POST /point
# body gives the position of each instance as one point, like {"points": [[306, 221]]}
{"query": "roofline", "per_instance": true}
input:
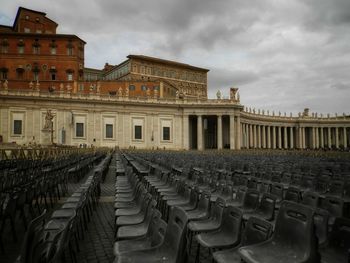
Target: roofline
{"points": [[30, 10], [42, 35], [116, 66], [101, 70], [164, 61], [6, 26]]}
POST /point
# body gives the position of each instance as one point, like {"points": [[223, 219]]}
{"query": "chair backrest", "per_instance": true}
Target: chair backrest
{"points": [[253, 183], [334, 205], [310, 199], [33, 235], [347, 188], [175, 238], [251, 199], [194, 196], [321, 217], [293, 194], [277, 190], [256, 231], [232, 221], [336, 187], [267, 204], [339, 237], [264, 187], [217, 209], [204, 201], [295, 229], [157, 231]]}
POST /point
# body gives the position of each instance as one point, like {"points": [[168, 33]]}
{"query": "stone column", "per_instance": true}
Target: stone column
{"points": [[322, 138], [337, 137], [199, 132], [251, 136], [303, 134], [263, 136], [317, 138], [274, 137], [268, 137], [291, 138], [345, 138], [329, 138], [300, 138], [185, 132], [219, 132], [279, 137], [238, 129], [254, 136], [285, 143], [232, 132], [247, 136], [259, 136]]}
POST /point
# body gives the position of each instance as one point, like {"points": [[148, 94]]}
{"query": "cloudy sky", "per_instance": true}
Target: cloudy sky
{"points": [[282, 55]]}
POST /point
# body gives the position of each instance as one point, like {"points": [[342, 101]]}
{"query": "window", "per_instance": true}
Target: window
{"points": [[20, 72], [53, 50], [69, 76], [131, 87], [138, 132], [166, 133], [26, 30], [27, 17], [20, 49], [143, 88], [53, 76], [70, 51], [17, 127], [156, 88], [79, 129], [4, 49], [36, 76], [38, 31], [36, 50], [109, 131], [81, 87]]}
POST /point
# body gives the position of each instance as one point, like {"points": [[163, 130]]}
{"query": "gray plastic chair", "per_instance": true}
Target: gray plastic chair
{"points": [[172, 250]]}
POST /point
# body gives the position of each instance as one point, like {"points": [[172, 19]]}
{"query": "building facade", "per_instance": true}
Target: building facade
{"points": [[143, 102]]}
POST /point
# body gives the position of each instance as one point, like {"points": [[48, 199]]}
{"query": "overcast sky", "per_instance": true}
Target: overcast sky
{"points": [[282, 55]]}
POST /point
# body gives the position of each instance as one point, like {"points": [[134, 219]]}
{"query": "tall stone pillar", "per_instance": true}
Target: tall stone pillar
{"points": [[329, 133], [251, 141], [259, 136], [219, 127], [303, 134], [285, 143], [238, 129], [322, 138], [279, 137], [254, 136], [313, 141], [199, 132], [273, 137], [337, 137], [317, 133], [345, 138], [263, 136], [300, 138], [268, 137], [185, 132], [291, 138], [232, 132]]}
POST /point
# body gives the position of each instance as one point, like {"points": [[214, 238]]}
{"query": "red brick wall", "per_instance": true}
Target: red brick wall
{"points": [[35, 21]]}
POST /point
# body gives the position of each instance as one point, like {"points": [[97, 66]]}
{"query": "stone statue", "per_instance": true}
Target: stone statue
{"points": [[279, 113], [263, 112], [306, 112], [273, 113], [259, 111], [69, 88], [155, 93], [268, 112], [31, 85], [291, 115], [61, 87], [177, 94], [37, 86], [98, 87], [254, 110], [328, 115], [321, 115], [148, 92], [126, 92], [233, 93], [218, 95], [285, 114], [48, 120], [238, 97], [6, 85], [120, 92]]}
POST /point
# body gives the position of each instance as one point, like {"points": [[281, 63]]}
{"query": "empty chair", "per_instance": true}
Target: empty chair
{"points": [[277, 190], [153, 238], [256, 231], [293, 194], [336, 188], [239, 198], [337, 250], [266, 209], [310, 199], [171, 250], [334, 205], [203, 209], [321, 218], [251, 201], [294, 239], [227, 235]]}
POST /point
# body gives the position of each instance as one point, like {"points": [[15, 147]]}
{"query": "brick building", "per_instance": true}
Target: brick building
{"points": [[32, 51]]}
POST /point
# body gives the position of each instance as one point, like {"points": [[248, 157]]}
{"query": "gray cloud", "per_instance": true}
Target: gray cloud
{"points": [[283, 55]]}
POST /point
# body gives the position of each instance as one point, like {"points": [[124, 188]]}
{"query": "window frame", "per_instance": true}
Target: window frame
{"points": [[138, 133], [109, 136], [14, 133], [76, 130]]}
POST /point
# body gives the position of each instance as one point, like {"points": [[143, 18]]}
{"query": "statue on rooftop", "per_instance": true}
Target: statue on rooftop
{"points": [[6, 87], [120, 92], [49, 120], [218, 95], [233, 93]]}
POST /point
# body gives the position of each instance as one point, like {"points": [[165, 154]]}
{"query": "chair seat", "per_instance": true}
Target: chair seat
{"points": [[128, 211], [216, 239], [227, 256], [63, 213], [147, 256], [277, 253], [134, 231], [205, 225], [130, 220], [131, 245], [124, 205], [196, 215]]}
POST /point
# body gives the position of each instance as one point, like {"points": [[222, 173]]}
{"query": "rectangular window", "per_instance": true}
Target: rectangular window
{"points": [[20, 49], [138, 132], [131, 87], [143, 88], [70, 51], [69, 76], [26, 30], [156, 88], [166, 133], [36, 50], [19, 74], [109, 131], [79, 129], [53, 51], [17, 127], [36, 76], [53, 76], [4, 49]]}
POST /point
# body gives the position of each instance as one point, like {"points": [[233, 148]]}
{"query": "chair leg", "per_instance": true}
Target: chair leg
{"points": [[13, 229], [197, 254], [24, 218]]}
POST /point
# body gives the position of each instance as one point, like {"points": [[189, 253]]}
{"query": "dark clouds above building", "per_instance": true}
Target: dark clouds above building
{"points": [[282, 55]]}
